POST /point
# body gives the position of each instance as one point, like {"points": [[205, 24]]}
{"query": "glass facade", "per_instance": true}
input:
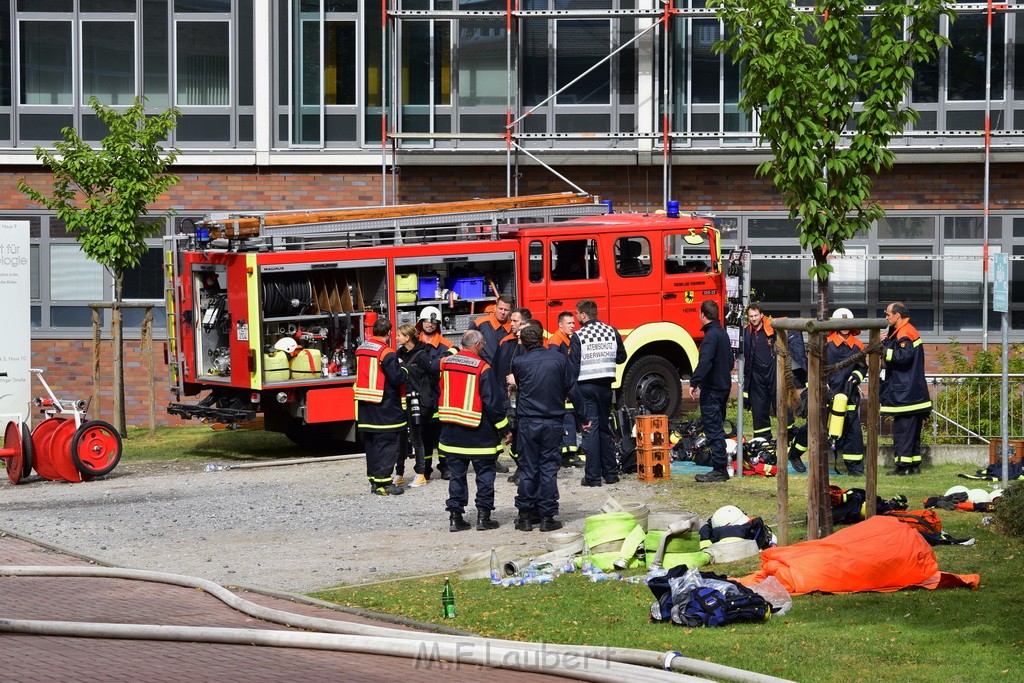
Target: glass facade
{"points": [[290, 78]]}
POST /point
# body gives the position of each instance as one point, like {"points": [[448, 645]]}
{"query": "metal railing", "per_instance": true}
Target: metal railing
{"points": [[967, 408]]}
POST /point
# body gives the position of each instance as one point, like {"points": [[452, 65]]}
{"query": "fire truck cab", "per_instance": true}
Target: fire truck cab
{"points": [[241, 286]]}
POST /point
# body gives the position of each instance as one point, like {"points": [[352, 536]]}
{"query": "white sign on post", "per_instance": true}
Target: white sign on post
{"points": [[1001, 283], [16, 341]]}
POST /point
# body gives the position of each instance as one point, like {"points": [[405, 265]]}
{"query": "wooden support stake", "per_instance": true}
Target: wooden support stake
{"points": [[814, 440], [871, 418], [97, 332], [782, 443], [147, 353]]}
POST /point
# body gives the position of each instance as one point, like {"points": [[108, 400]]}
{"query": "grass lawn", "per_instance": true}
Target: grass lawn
{"points": [[907, 636], [911, 635]]}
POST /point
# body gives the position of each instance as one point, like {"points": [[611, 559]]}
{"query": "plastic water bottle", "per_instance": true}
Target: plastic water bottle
{"points": [[448, 600], [601, 576], [586, 566], [495, 568], [344, 364], [568, 567], [539, 578], [509, 581], [213, 467]]}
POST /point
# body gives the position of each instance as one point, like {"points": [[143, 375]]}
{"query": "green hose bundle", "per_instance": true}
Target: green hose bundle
{"points": [[613, 537]]}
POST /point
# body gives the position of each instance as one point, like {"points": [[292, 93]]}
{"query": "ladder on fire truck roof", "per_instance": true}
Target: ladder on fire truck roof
{"points": [[402, 224]]}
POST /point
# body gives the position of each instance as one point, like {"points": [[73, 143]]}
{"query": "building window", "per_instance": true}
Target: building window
{"points": [[108, 61], [46, 62], [203, 63], [73, 277]]}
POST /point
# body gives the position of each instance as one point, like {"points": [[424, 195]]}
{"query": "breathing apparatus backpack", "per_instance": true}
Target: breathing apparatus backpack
{"points": [[689, 597]]}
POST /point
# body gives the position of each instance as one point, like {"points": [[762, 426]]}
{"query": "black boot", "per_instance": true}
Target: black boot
{"points": [[457, 523], [550, 524], [798, 464], [522, 522], [484, 521]]}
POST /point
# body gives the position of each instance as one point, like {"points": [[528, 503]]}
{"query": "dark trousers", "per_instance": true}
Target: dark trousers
{"points": [[712, 416], [431, 437], [569, 445], [458, 487], [539, 442], [382, 450], [597, 441], [761, 393], [906, 439]]}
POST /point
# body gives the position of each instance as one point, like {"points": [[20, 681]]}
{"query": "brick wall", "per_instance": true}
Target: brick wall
{"points": [[717, 188]]}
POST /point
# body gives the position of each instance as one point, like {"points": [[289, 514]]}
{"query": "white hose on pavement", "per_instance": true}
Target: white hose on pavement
{"points": [[574, 661]]}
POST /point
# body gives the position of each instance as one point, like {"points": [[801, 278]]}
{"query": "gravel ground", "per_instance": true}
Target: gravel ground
{"points": [[296, 528]]}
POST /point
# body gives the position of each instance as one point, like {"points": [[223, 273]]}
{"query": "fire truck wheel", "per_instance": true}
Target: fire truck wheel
{"points": [[653, 383]]}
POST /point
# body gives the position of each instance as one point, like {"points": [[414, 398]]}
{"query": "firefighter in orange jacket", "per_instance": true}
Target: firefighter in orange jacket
{"points": [[759, 369], [904, 394], [380, 417], [473, 423], [494, 326]]}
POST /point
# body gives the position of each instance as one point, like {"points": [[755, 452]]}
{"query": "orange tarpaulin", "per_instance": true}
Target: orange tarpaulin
{"points": [[880, 554]]}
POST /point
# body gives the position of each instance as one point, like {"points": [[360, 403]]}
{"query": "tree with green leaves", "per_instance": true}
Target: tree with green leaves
{"points": [[102, 193], [829, 87]]}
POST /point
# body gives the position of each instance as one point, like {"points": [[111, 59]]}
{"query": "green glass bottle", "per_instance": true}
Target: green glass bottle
{"points": [[448, 600]]}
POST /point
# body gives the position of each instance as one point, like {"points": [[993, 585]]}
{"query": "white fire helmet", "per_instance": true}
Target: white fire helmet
{"points": [[955, 489], [842, 313], [996, 494], [431, 314], [728, 515], [287, 344], [979, 496]]}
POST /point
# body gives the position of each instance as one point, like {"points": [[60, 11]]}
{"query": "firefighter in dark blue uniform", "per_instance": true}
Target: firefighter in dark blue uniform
{"points": [[839, 347], [711, 383], [543, 380], [904, 394], [380, 416], [759, 369], [473, 424]]}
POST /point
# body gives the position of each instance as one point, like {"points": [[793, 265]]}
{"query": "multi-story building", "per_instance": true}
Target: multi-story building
{"points": [[284, 104]]}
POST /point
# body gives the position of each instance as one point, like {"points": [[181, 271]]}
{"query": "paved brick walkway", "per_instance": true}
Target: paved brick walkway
{"points": [[27, 658]]}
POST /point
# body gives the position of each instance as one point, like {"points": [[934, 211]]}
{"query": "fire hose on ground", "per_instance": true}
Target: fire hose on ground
{"points": [[570, 661]]}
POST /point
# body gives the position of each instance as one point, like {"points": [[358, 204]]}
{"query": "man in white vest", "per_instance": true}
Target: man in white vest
{"points": [[595, 349]]}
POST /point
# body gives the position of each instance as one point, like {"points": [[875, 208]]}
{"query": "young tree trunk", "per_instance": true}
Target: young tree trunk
{"points": [[824, 451], [117, 333]]}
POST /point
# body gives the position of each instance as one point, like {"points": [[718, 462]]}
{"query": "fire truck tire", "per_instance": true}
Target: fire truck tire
{"points": [[653, 383]]}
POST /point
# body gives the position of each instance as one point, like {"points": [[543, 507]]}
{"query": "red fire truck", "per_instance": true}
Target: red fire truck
{"points": [[240, 284]]}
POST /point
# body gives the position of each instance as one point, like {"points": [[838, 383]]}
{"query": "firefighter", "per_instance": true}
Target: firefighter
{"points": [[380, 417], [508, 349], [430, 333], [420, 362], [594, 352], [711, 383], [430, 328], [543, 381], [840, 346], [904, 394], [560, 341], [759, 369], [473, 424], [494, 326]]}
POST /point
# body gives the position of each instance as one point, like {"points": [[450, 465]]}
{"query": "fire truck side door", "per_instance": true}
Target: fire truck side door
{"points": [[635, 292], [689, 277], [572, 269]]}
